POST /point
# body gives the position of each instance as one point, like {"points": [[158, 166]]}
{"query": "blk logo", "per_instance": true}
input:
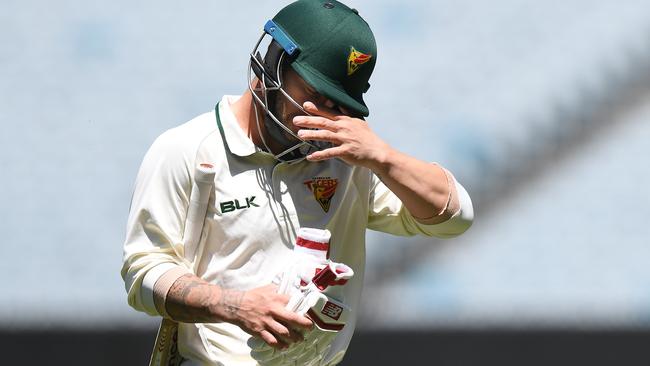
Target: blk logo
{"points": [[230, 206]]}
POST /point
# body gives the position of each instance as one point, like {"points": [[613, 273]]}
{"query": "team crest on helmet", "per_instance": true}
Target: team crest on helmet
{"points": [[323, 189], [356, 59]]}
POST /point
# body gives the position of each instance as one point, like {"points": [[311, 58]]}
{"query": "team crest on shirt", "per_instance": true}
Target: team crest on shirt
{"points": [[356, 59], [323, 189]]}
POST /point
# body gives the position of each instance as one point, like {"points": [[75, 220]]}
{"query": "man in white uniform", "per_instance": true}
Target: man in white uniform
{"points": [[293, 151]]}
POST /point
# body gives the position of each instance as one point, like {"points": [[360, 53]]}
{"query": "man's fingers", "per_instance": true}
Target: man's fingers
{"points": [[295, 336], [333, 152], [319, 135], [271, 340], [322, 111], [298, 320], [284, 334], [279, 329], [286, 326], [294, 320], [322, 123]]}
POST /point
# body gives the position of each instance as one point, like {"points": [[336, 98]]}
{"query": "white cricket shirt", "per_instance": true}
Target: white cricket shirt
{"points": [[256, 208]]}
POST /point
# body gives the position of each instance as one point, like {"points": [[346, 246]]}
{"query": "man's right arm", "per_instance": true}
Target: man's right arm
{"points": [[260, 312], [155, 271]]}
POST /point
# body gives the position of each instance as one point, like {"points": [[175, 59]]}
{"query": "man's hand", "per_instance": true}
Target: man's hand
{"points": [[261, 312], [329, 316], [425, 189], [354, 142]]}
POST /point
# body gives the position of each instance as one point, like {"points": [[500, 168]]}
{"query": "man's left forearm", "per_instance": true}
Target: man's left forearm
{"points": [[425, 189]]}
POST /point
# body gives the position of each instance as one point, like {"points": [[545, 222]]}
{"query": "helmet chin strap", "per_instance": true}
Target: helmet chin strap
{"points": [[269, 72]]}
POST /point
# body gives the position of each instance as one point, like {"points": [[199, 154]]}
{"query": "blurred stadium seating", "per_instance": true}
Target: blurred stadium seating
{"points": [[541, 110]]}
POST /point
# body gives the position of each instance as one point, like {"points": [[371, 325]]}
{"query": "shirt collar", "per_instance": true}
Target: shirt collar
{"points": [[235, 138]]}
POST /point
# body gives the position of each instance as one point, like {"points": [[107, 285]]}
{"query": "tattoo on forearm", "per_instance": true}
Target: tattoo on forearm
{"points": [[191, 300], [187, 289], [231, 301]]}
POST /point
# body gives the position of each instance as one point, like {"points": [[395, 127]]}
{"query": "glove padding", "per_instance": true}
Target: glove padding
{"points": [[309, 280], [328, 314], [329, 317]]}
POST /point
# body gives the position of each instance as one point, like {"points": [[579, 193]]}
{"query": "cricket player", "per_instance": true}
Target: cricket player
{"points": [[294, 151]]}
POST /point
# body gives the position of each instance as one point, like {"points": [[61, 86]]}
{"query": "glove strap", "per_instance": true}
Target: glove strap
{"points": [[332, 275]]}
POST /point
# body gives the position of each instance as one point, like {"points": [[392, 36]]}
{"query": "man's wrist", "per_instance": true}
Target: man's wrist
{"points": [[383, 160], [227, 305], [193, 300]]}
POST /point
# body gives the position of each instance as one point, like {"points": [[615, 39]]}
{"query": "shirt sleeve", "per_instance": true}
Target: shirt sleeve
{"points": [[389, 215], [153, 244]]}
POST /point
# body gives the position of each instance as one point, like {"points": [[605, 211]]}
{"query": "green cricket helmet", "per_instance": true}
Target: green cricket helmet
{"points": [[329, 45]]}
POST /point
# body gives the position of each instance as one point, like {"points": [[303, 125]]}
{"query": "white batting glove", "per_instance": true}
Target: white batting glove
{"points": [[306, 279], [309, 254], [328, 314]]}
